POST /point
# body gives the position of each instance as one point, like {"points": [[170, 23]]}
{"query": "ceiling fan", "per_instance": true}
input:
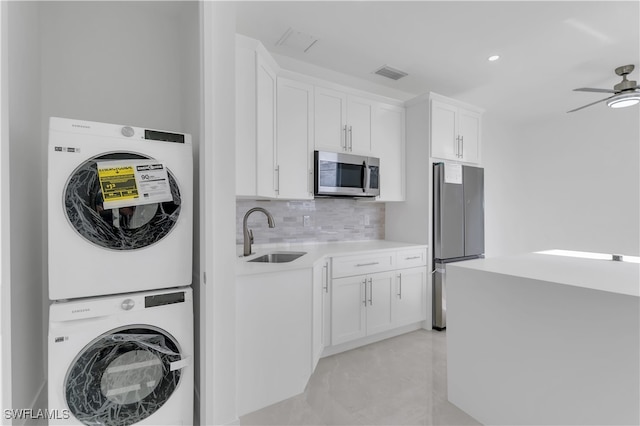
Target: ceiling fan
{"points": [[626, 93]]}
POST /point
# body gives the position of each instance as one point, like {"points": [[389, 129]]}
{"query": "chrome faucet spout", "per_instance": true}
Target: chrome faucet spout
{"points": [[248, 234]]}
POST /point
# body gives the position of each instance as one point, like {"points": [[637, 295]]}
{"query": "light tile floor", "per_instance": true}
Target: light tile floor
{"points": [[398, 381]]}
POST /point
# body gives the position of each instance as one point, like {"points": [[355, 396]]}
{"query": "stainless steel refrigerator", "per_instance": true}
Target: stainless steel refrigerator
{"points": [[458, 225]]}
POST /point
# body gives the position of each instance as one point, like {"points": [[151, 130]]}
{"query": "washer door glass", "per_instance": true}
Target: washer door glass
{"points": [[125, 228], [123, 377]]}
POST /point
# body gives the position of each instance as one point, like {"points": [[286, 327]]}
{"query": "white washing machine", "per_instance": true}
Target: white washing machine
{"points": [[122, 360], [110, 230]]}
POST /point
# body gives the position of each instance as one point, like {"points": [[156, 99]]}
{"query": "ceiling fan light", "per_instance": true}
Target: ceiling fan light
{"points": [[624, 100]]}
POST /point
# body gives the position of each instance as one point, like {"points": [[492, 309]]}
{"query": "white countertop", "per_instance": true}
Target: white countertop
{"points": [[603, 275], [314, 252]]}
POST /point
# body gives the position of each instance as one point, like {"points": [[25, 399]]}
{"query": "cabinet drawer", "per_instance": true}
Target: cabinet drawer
{"points": [[344, 266], [411, 257]]}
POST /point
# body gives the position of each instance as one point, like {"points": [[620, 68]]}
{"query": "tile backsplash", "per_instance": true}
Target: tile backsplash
{"points": [[329, 219]]}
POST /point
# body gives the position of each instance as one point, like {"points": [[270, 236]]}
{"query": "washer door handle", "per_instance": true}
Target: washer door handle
{"points": [[178, 365]]}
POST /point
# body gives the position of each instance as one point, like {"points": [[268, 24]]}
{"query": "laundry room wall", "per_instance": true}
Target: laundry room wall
{"points": [[27, 208], [134, 63], [115, 62]]}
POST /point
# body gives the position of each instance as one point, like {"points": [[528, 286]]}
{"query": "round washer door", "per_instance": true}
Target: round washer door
{"points": [[123, 376], [126, 228]]}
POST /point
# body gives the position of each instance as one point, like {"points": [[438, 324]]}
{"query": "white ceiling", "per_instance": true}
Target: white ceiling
{"points": [[547, 48]]}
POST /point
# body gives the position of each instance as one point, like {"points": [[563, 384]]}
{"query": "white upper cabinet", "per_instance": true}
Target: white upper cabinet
{"points": [[469, 129], [330, 120], [388, 143], [294, 165], [359, 123], [455, 130], [281, 117], [255, 120], [342, 122]]}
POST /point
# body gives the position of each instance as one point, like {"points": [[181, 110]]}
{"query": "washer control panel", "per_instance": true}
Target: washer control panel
{"points": [[128, 304]]}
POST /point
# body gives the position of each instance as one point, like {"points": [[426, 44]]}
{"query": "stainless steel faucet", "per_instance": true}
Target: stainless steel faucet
{"points": [[248, 233]]}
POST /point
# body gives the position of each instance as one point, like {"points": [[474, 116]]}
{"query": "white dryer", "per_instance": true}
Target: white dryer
{"points": [[122, 360], [112, 234]]}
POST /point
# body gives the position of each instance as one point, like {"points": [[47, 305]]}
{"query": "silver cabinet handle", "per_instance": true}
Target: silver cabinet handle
{"points": [[413, 257], [346, 143], [310, 182], [350, 138], [462, 145], [370, 291], [277, 185], [365, 291], [367, 264], [400, 286], [325, 268]]}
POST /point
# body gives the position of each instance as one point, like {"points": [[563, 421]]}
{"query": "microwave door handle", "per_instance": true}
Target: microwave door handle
{"points": [[365, 176]]}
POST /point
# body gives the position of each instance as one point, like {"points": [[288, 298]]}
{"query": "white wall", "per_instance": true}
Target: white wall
{"points": [[572, 182], [27, 206], [5, 258], [115, 62], [217, 209], [119, 62]]}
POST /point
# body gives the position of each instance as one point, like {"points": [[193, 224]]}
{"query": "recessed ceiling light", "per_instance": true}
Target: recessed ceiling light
{"points": [[493, 58]]}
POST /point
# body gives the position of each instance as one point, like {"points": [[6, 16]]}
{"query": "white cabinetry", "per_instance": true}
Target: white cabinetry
{"points": [[320, 303], [388, 145], [342, 121], [360, 306], [280, 121], [274, 340], [376, 292], [410, 296], [455, 130], [255, 120], [294, 147]]}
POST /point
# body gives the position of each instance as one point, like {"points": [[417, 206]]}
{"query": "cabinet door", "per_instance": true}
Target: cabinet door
{"points": [[348, 309], [294, 117], [388, 145], [410, 296], [444, 131], [317, 341], [330, 115], [245, 122], [326, 307], [265, 129], [379, 302], [469, 131], [359, 121]]}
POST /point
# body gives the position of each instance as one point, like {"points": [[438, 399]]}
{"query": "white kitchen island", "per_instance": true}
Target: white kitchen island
{"points": [[543, 339]]}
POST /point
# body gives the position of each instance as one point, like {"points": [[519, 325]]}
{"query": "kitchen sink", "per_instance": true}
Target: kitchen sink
{"points": [[279, 257]]}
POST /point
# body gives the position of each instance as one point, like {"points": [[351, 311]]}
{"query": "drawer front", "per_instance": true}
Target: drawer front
{"points": [[345, 266], [411, 258]]}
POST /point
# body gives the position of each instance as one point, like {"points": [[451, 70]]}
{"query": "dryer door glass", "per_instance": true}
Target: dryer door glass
{"points": [[125, 228], [123, 377]]}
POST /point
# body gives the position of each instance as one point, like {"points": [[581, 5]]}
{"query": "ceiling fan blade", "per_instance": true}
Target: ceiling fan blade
{"points": [[590, 89], [592, 103]]}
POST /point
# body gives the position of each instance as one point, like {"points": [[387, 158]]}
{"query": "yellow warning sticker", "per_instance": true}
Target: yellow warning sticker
{"points": [[118, 183]]}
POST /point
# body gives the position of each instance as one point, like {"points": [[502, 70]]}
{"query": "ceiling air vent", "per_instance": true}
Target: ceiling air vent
{"points": [[390, 72]]}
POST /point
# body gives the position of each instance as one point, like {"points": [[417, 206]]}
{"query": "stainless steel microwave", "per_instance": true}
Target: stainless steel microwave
{"points": [[347, 175]]}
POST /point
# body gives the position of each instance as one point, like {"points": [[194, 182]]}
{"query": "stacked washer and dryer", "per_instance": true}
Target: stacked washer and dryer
{"points": [[120, 224]]}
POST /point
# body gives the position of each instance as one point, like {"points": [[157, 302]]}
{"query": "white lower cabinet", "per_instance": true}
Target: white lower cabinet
{"points": [[360, 306], [274, 337], [377, 301], [410, 296], [320, 293]]}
